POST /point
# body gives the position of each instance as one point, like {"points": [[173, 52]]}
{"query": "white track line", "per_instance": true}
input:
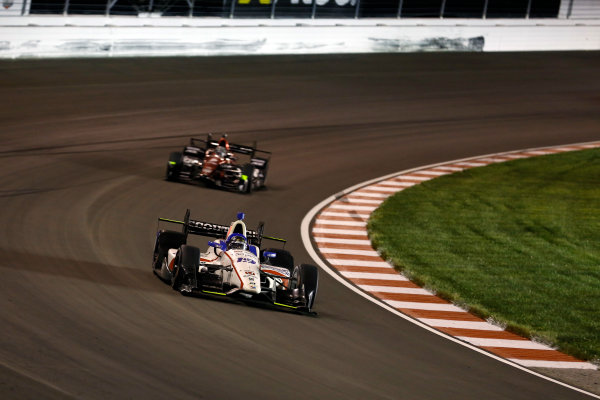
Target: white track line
{"points": [[567, 148], [353, 200], [472, 164], [414, 305], [387, 190], [447, 323], [416, 177], [357, 208], [515, 156], [339, 231], [359, 263], [515, 344], [539, 152], [448, 168], [393, 184], [333, 250], [393, 289], [343, 241], [556, 364], [373, 195], [369, 275], [495, 159], [344, 214], [433, 172], [339, 222]]}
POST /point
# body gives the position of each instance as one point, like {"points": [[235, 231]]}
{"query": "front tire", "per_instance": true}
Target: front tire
{"points": [[165, 240], [308, 282], [173, 166], [185, 269], [248, 172]]}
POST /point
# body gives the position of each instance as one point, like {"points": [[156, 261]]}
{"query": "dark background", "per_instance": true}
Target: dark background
{"points": [[286, 9]]}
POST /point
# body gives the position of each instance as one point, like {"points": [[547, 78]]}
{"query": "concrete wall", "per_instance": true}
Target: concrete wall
{"points": [[579, 9], [57, 36]]}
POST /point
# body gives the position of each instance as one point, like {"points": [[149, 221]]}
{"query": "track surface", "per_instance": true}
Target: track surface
{"points": [[83, 145]]}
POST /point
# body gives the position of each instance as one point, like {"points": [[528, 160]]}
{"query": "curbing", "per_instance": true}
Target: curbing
{"points": [[344, 252]]}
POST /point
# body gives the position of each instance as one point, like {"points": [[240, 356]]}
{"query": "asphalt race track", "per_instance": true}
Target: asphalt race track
{"points": [[83, 149]]}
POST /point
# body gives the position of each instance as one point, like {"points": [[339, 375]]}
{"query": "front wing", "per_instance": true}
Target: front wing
{"points": [[207, 284]]}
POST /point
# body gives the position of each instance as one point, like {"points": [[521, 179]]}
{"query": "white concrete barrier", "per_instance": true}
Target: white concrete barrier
{"points": [[58, 36]]}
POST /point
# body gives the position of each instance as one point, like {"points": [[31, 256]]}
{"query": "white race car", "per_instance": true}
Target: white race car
{"points": [[233, 265]]}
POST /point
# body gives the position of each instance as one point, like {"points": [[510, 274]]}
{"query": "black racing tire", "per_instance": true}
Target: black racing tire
{"points": [[176, 277], [248, 170], [262, 177], [263, 173], [165, 240], [196, 173], [186, 265], [283, 258], [308, 280], [162, 271], [172, 172]]}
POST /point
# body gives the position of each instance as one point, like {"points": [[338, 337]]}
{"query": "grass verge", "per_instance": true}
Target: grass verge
{"points": [[518, 242]]}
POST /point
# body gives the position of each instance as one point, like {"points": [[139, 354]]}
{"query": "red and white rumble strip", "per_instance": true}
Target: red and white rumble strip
{"points": [[340, 234]]}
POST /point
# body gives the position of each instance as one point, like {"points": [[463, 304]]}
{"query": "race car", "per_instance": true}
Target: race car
{"points": [[233, 265], [215, 162]]}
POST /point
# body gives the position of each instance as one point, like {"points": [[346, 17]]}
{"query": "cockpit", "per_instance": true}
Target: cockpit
{"points": [[237, 241], [221, 151]]}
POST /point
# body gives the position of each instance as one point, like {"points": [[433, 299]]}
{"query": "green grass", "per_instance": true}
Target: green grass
{"points": [[517, 241]]}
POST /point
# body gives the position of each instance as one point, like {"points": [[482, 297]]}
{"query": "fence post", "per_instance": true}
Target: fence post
{"points": [[314, 9], [399, 9], [356, 11], [110, 4], [232, 9]]}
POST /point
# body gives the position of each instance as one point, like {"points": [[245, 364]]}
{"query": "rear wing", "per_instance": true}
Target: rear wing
{"points": [[251, 151], [217, 231]]}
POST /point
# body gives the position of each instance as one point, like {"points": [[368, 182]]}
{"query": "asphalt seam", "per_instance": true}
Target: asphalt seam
{"points": [[337, 229]]}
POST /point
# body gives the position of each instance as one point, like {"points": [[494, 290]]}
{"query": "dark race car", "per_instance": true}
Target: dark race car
{"points": [[233, 266], [215, 162]]}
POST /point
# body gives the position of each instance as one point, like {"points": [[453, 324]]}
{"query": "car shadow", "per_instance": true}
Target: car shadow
{"points": [[97, 273]]}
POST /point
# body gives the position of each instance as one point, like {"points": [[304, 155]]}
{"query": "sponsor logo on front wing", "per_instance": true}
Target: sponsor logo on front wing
{"points": [[270, 269]]}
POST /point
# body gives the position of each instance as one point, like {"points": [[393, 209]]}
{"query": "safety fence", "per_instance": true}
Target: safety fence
{"points": [[129, 28], [476, 9]]}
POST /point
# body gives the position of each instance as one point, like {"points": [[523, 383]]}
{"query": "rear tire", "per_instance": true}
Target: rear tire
{"points": [[283, 258]]}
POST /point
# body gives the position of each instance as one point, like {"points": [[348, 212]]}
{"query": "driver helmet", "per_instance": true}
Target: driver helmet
{"points": [[221, 151], [236, 241]]}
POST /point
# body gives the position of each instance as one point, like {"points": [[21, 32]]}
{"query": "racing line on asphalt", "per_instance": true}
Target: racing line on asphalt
{"points": [[339, 232]]}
